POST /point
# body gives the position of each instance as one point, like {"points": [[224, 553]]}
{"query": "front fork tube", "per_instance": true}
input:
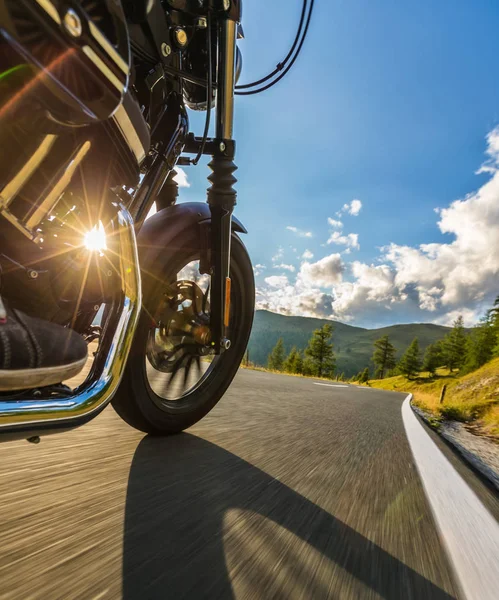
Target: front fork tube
{"points": [[221, 226], [221, 193]]}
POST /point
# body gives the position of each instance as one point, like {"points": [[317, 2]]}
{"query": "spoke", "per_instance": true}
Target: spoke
{"points": [[187, 370], [172, 345], [177, 365]]}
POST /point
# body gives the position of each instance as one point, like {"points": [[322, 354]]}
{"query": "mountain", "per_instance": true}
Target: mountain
{"points": [[353, 345]]}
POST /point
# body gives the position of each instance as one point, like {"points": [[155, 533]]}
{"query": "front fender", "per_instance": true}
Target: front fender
{"points": [[162, 233]]}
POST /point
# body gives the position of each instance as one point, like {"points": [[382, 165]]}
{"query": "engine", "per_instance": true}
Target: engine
{"points": [[70, 129]]}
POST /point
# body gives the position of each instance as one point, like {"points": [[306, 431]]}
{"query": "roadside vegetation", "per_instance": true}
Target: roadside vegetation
{"points": [[318, 359], [456, 378], [472, 398]]}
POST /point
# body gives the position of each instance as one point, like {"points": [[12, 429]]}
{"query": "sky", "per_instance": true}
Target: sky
{"points": [[369, 177]]}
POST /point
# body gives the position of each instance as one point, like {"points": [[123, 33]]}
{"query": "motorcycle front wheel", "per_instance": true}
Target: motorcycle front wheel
{"points": [[172, 380]]}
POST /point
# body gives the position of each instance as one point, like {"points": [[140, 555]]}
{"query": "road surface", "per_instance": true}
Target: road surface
{"points": [[288, 489]]}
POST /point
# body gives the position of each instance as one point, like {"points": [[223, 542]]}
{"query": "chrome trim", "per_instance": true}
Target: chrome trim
{"points": [[10, 191], [226, 75], [103, 381], [50, 9], [13, 220], [108, 47], [95, 32], [46, 205], [103, 68], [128, 130]]}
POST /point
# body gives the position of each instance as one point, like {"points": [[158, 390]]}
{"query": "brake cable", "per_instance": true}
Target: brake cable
{"points": [[209, 94], [280, 66]]}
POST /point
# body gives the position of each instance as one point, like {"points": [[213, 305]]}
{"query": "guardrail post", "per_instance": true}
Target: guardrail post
{"points": [[442, 393]]}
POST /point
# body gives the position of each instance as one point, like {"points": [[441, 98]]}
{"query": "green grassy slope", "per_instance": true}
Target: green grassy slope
{"points": [[472, 398], [353, 345]]}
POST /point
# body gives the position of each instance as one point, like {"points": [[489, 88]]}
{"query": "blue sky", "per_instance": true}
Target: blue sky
{"points": [[390, 104]]}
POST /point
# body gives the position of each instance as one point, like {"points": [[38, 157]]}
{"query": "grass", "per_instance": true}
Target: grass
{"points": [[472, 398]]}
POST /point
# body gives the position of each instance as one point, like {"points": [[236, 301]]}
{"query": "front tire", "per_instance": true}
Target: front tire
{"points": [[135, 401]]}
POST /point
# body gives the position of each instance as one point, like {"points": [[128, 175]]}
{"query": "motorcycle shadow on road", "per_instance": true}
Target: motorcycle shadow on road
{"points": [[178, 542]]}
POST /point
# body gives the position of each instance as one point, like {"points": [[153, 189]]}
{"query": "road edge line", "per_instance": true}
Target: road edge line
{"points": [[474, 460], [469, 532]]}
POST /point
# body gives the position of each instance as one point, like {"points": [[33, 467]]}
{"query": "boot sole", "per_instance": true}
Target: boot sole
{"points": [[26, 379]]}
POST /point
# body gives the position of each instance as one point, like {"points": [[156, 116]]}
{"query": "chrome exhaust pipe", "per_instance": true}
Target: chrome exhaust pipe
{"points": [[32, 416]]}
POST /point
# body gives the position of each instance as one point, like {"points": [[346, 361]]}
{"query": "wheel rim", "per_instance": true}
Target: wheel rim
{"points": [[177, 362]]}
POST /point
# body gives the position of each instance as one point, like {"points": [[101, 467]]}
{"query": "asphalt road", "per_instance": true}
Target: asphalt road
{"points": [[286, 490]]}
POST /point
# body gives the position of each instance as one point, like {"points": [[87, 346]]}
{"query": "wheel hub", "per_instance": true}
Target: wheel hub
{"points": [[181, 327]]}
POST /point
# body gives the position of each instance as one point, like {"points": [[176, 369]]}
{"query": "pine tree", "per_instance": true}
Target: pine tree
{"points": [[276, 357], [293, 362], [454, 345], [307, 367], [494, 314], [364, 378], [384, 356], [299, 364], [320, 352], [432, 358], [410, 363], [480, 344], [494, 320]]}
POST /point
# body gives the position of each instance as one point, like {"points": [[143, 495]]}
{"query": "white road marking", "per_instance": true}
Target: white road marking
{"points": [[330, 384], [470, 533]]}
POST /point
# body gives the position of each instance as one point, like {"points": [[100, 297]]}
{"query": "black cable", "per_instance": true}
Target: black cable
{"points": [[280, 66], [209, 93], [285, 72]]}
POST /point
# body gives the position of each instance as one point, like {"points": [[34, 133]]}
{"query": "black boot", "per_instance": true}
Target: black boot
{"points": [[36, 353]]}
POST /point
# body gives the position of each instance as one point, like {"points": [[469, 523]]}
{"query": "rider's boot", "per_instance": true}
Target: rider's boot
{"points": [[36, 353]]}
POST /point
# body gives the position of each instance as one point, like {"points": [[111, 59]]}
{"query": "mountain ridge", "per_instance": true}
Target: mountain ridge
{"points": [[353, 345]]}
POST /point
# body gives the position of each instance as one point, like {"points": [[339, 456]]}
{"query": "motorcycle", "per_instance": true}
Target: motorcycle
{"points": [[93, 122]]}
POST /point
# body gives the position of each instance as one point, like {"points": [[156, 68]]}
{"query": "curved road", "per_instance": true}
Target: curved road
{"points": [[288, 489]]}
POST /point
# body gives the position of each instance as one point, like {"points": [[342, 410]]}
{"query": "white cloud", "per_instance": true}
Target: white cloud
{"points": [[491, 164], [258, 269], [334, 223], [181, 178], [324, 273], [304, 297], [351, 208], [277, 281], [285, 267], [299, 232], [351, 240], [289, 301], [307, 255], [278, 255], [355, 207]]}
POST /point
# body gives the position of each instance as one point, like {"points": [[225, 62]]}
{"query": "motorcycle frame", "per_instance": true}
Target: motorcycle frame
{"points": [[25, 416]]}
